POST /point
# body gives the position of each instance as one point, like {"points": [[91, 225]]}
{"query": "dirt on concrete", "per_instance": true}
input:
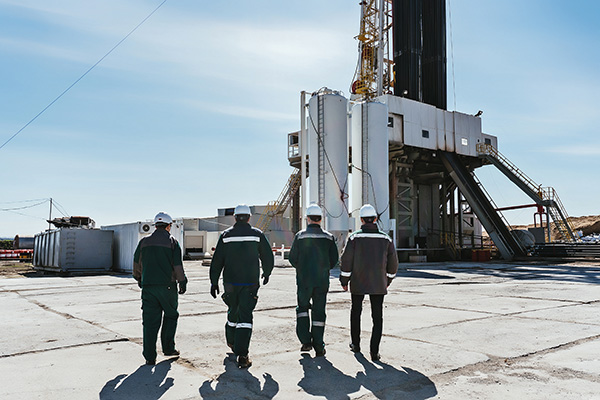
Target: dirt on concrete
{"points": [[16, 269]]}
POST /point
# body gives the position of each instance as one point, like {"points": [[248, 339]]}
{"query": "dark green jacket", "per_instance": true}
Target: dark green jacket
{"points": [[157, 260], [237, 254], [313, 254]]}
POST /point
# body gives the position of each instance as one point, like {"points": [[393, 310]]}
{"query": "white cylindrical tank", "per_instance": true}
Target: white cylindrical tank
{"points": [[328, 156], [370, 171]]}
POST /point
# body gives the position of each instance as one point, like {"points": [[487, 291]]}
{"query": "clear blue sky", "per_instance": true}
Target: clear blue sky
{"points": [[191, 112]]}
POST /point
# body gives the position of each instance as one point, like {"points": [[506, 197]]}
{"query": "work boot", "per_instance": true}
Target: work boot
{"points": [[375, 356], [320, 353], [244, 361], [306, 347], [150, 362], [174, 352], [355, 348]]}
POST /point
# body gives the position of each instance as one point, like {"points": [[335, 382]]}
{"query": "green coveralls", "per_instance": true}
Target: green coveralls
{"points": [[313, 254], [237, 255], [157, 267]]}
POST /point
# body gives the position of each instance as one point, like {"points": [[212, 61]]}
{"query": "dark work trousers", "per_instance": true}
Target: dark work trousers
{"points": [[240, 301], [311, 333], [159, 303], [376, 315]]}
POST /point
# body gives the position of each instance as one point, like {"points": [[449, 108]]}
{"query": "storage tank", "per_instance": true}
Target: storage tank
{"points": [[328, 157], [73, 250], [23, 242], [370, 181], [127, 236]]}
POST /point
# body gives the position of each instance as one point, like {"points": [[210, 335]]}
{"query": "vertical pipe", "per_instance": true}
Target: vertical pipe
{"points": [[50, 215], [303, 155], [380, 48]]}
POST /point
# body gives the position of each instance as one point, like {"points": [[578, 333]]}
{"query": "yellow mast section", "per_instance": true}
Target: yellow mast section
{"points": [[373, 76]]}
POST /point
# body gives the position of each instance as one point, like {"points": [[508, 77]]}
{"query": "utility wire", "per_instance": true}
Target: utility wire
{"points": [[60, 208], [344, 195], [27, 215], [82, 76], [21, 201], [24, 207]]}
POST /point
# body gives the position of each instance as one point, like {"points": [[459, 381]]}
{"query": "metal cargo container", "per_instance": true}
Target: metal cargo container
{"points": [[73, 250], [127, 236]]}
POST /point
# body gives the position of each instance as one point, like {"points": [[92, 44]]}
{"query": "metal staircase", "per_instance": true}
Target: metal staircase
{"points": [[281, 204], [546, 197], [482, 206]]}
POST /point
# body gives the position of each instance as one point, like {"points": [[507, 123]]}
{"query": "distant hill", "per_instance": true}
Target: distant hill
{"points": [[588, 224]]}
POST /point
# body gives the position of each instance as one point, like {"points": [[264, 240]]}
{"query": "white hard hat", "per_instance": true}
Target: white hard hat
{"points": [[367, 211], [242, 209], [163, 218], [314, 210]]}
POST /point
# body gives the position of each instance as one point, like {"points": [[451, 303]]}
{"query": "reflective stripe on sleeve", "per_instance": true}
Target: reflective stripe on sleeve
{"points": [[245, 325], [343, 273], [318, 323], [302, 314], [232, 324], [391, 275], [241, 239]]}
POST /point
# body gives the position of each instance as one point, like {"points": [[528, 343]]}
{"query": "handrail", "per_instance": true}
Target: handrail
{"points": [[547, 196], [488, 149], [280, 205]]}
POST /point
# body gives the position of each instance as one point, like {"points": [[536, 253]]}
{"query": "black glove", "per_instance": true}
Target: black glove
{"points": [[139, 284], [390, 281], [265, 279], [183, 286], [214, 291], [344, 280]]}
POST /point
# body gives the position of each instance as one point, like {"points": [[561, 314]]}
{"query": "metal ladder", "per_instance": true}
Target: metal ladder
{"points": [[321, 146], [542, 196], [281, 204]]}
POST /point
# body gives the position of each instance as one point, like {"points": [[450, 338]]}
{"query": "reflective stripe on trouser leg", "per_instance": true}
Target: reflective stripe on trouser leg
{"points": [[319, 297], [302, 318], [231, 299], [247, 298]]}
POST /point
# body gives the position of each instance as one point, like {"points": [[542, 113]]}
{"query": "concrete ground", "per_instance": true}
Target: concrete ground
{"points": [[451, 331]]}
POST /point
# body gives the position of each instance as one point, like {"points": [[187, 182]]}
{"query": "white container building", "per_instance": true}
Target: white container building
{"points": [[127, 237]]}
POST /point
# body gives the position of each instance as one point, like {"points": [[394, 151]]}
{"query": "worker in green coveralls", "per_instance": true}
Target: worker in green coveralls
{"points": [[157, 268], [237, 255], [313, 254]]}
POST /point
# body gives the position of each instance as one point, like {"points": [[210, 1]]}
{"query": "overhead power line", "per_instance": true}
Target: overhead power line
{"points": [[82, 76], [24, 207]]}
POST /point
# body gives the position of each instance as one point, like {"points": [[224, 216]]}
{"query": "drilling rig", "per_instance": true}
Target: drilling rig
{"points": [[393, 144]]}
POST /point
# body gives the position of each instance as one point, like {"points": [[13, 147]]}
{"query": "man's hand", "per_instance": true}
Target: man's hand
{"points": [[214, 291], [183, 286], [139, 284], [265, 279], [345, 288], [389, 281]]}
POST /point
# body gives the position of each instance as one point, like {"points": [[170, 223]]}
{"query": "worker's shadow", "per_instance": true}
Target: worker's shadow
{"points": [[146, 383], [237, 383], [321, 378], [387, 382]]}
